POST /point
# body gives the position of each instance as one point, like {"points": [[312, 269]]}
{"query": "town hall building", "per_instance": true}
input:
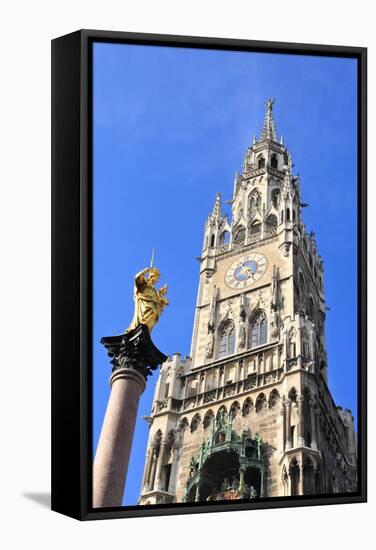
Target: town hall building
{"points": [[249, 414]]}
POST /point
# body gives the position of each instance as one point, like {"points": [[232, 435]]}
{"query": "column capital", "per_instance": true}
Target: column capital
{"points": [[134, 350]]}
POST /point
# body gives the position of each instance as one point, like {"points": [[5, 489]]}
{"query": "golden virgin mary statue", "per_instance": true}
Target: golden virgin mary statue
{"points": [[148, 301]]}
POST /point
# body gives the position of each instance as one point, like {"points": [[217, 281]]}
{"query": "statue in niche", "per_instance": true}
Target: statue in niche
{"points": [[273, 323], [242, 334], [210, 345]]}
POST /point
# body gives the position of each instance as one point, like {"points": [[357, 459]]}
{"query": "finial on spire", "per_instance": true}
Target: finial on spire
{"points": [[217, 209], [269, 130]]}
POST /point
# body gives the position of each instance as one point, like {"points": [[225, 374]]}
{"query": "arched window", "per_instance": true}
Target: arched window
{"points": [[311, 308], [274, 161], [308, 477], [259, 330], [271, 221], [293, 216], [260, 402], [235, 407], [239, 235], [294, 476], [288, 215], [224, 238], [208, 419], [226, 344], [273, 398], [212, 241], [292, 395], [247, 406], [195, 422], [260, 162], [282, 216]]}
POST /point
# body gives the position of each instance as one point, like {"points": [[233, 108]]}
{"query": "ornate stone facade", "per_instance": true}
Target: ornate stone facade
{"points": [[249, 414]]}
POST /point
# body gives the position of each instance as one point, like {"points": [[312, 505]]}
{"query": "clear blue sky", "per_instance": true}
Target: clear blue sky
{"points": [[171, 126]]}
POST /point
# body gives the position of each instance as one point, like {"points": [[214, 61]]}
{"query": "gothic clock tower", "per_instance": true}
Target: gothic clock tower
{"points": [[249, 414]]}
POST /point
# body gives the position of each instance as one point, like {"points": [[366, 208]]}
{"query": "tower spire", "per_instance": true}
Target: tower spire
{"points": [[217, 209], [269, 129]]}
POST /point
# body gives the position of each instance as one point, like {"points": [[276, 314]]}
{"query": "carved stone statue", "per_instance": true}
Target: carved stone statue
{"points": [[242, 334], [210, 345], [148, 301]]}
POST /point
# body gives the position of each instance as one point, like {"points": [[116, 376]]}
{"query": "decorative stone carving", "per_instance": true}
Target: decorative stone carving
{"points": [[210, 345], [134, 350]]}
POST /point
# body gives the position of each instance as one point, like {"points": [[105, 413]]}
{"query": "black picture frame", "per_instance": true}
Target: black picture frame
{"points": [[72, 272]]}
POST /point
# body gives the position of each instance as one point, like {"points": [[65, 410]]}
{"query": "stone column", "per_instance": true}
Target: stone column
{"points": [[262, 484], [313, 424], [152, 473], [300, 433], [288, 424], [149, 463], [317, 427], [115, 442], [161, 456], [133, 357], [174, 468], [300, 490], [283, 414], [241, 481]]}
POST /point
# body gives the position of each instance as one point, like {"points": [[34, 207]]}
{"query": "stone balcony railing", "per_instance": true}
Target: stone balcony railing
{"points": [[252, 239]]}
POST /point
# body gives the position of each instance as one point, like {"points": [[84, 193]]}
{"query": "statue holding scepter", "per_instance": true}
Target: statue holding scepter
{"points": [[148, 301]]}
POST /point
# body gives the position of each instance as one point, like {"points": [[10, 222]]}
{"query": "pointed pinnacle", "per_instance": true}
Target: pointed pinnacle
{"points": [[217, 209], [269, 129]]}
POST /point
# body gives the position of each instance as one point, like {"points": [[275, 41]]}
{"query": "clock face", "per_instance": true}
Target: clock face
{"points": [[246, 270]]}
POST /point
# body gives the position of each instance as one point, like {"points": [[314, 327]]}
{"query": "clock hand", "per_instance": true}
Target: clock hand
{"points": [[248, 271]]}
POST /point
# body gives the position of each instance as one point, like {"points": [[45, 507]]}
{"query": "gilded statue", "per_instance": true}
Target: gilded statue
{"points": [[149, 302]]}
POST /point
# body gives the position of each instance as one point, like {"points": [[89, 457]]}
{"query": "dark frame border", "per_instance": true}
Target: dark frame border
{"points": [[72, 272]]}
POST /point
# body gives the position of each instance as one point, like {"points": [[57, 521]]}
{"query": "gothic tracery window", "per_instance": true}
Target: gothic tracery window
{"points": [[259, 330], [226, 344]]}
